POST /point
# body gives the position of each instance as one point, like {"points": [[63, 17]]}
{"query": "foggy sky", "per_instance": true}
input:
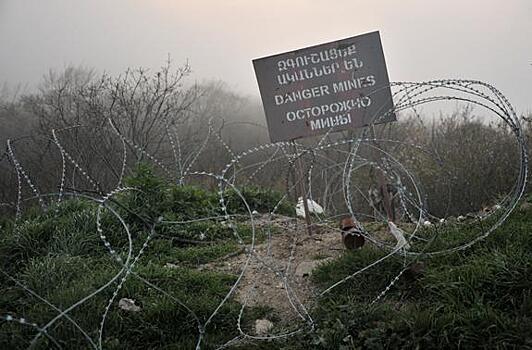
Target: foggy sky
{"points": [[487, 40]]}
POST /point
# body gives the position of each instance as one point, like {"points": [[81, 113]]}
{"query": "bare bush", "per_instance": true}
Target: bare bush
{"points": [[100, 121]]}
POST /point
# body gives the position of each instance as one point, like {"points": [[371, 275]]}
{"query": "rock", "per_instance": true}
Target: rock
{"points": [[263, 326], [128, 305], [305, 268]]}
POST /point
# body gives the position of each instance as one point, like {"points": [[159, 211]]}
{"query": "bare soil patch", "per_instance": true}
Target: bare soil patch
{"points": [[282, 263]]}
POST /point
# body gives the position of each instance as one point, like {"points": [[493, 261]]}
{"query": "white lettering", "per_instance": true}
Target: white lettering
{"points": [[301, 95]]}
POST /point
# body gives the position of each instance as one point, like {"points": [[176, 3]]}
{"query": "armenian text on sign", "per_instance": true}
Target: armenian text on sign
{"points": [[338, 85]]}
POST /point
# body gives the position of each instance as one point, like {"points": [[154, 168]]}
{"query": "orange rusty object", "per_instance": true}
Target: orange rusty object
{"points": [[351, 235], [347, 223]]}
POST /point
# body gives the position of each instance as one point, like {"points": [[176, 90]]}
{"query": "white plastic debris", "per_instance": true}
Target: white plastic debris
{"points": [[442, 220], [313, 207], [202, 236], [254, 212], [399, 236], [128, 305], [461, 218], [427, 223]]}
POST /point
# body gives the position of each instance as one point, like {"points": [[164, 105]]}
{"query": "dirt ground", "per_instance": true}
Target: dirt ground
{"points": [[263, 284]]}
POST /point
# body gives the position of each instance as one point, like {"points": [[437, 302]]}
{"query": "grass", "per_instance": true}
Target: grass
{"points": [[480, 298], [59, 255], [477, 298]]}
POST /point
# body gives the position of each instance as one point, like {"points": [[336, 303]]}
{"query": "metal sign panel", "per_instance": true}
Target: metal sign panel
{"points": [[338, 85]]}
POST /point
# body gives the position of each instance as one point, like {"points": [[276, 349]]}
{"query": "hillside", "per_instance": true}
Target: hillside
{"points": [[181, 269]]}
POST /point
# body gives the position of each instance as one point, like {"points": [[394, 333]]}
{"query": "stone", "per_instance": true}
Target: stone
{"points": [[128, 305], [263, 326]]}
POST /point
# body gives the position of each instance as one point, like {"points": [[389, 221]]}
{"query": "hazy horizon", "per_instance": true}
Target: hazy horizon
{"points": [[470, 40]]}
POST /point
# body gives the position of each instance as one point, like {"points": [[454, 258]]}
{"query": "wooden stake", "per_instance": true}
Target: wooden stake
{"points": [[302, 189], [387, 201]]}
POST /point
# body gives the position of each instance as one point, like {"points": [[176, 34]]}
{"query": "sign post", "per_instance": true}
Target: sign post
{"points": [[302, 188], [328, 87]]}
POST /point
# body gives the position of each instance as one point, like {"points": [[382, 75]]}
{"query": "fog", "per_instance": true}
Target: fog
{"points": [[489, 41]]}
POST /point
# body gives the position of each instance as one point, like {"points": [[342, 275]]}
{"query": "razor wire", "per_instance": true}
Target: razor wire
{"points": [[242, 168]]}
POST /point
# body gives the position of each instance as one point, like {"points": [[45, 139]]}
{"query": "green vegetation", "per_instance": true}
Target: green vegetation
{"points": [[59, 255], [477, 298]]}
